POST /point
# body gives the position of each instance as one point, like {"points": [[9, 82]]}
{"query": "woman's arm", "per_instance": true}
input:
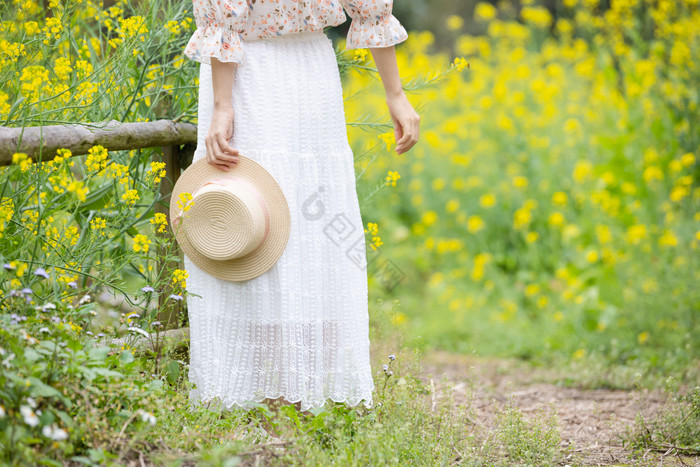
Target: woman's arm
{"points": [[219, 152], [406, 119]]}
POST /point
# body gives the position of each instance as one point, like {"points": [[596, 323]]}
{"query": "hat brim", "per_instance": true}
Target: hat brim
{"points": [[263, 257]]}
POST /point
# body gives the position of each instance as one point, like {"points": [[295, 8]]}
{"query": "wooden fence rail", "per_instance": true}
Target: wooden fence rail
{"points": [[176, 140]]}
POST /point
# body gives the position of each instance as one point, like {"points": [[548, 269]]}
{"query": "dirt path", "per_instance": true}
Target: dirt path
{"points": [[591, 421]]}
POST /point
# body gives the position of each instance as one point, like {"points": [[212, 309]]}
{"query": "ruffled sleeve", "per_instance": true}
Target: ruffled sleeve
{"points": [[372, 24], [218, 31]]}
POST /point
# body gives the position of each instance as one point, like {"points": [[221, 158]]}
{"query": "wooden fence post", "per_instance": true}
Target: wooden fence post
{"points": [[176, 159]]}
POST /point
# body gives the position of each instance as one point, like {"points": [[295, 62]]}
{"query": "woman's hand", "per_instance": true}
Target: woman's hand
{"points": [[406, 121], [220, 153]]}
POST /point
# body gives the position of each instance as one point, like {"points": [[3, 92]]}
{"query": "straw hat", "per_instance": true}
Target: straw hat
{"points": [[236, 225]]}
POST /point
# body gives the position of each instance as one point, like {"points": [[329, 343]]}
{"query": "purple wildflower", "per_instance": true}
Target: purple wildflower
{"points": [[148, 288], [41, 272], [176, 297], [8, 266], [73, 284]]}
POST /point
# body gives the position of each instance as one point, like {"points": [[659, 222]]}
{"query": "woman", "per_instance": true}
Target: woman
{"points": [[270, 90]]}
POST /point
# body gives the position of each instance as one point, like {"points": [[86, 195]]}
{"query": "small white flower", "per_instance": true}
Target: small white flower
{"points": [[86, 298], [54, 432], [2, 411], [44, 329], [6, 362], [30, 417], [139, 330], [31, 402], [147, 416], [133, 315]]}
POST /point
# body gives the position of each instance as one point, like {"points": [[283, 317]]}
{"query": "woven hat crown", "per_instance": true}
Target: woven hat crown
{"points": [[235, 225], [228, 218]]}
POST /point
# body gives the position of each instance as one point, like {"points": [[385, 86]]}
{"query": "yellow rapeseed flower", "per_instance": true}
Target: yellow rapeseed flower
{"points": [[388, 138], [487, 200], [96, 159], [141, 243], [454, 22], [452, 205], [520, 181], [160, 220], [460, 63], [559, 198], [592, 256], [372, 228], [643, 337], [688, 159], [475, 223], [180, 276], [668, 239], [391, 178], [521, 218], [653, 172], [99, 224], [484, 11], [360, 55], [184, 201], [429, 217], [636, 233], [398, 318], [130, 197]]}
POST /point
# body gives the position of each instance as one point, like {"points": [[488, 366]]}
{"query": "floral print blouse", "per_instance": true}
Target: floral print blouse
{"points": [[222, 25]]}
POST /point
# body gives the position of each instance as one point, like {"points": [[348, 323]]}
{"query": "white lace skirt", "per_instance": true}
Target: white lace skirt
{"points": [[300, 330]]}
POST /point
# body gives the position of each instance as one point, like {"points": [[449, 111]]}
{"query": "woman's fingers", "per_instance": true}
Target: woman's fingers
{"points": [[226, 151], [220, 153], [411, 128], [406, 122]]}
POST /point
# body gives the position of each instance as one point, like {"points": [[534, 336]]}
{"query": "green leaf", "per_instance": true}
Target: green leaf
{"points": [[88, 373], [65, 418], [39, 388], [97, 199], [172, 371], [31, 355], [99, 354], [126, 357], [155, 384], [107, 372]]}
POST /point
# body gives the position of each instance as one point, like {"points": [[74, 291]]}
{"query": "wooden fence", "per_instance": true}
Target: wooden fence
{"points": [[176, 140]]}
